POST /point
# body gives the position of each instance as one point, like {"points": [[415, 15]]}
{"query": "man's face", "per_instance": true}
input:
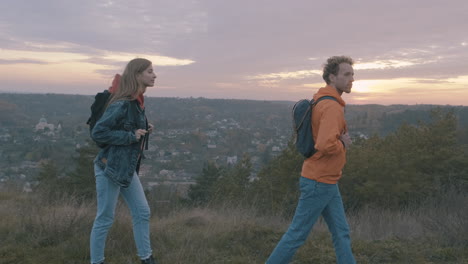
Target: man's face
{"points": [[343, 81]]}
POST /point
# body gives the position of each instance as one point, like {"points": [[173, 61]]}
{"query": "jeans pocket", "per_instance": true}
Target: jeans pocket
{"points": [[98, 171], [307, 186]]}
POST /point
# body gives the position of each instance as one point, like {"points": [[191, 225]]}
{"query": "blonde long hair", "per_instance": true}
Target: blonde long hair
{"points": [[129, 87]]}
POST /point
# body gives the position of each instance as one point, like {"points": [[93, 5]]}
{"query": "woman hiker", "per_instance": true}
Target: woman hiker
{"points": [[123, 128]]}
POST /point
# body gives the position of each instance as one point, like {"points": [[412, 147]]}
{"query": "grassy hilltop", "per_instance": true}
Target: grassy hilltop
{"points": [[57, 232]]}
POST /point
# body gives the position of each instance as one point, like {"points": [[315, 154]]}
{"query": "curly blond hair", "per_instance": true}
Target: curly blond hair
{"points": [[333, 66]]}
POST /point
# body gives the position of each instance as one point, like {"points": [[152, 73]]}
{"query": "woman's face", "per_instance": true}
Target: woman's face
{"points": [[147, 77]]}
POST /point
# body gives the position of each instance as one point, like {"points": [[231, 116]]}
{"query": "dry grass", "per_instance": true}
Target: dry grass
{"points": [[445, 218], [58, 232]]}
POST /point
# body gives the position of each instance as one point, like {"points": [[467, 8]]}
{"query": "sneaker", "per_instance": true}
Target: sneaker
{"points": [[149, 260]]}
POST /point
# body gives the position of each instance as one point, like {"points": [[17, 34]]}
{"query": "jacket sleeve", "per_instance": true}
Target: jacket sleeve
{"points": [[107, 129], [330, 127]]}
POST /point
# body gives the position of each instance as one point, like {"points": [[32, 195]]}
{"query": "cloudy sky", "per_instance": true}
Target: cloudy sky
{"points": [[407, 52]]}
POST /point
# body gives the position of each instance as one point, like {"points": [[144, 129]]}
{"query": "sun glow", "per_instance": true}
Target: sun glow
{"points": [[411, 91], [365, 86]]}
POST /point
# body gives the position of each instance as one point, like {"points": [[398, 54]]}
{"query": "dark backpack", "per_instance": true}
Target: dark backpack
{"points": [[99, 107], [97, 110], [302, 123]]}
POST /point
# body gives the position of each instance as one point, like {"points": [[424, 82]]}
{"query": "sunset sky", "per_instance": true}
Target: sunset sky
{"points": [[406, 52]]}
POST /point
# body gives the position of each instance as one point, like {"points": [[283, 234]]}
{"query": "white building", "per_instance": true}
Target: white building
{"points": [[276, 149], [43, 125], [232, 160]]}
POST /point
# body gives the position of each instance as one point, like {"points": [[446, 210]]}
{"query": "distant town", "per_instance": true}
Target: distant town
{"points": [[36, 129]]}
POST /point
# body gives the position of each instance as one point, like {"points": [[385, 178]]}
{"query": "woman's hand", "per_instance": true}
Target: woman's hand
{"points": [[139, 133], [150, 128]]}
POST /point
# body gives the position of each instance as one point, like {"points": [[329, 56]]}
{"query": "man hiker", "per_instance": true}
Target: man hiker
{"points": [[320, 172]]}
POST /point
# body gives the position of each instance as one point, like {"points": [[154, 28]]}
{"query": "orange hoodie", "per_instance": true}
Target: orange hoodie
{"points": [[328, 124]]}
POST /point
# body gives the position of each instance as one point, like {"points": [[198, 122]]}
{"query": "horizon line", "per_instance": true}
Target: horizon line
{"points": [[218, 98]]}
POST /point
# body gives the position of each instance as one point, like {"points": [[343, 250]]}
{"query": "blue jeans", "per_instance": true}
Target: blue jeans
{"points": [[316, 199], [134, 196]]}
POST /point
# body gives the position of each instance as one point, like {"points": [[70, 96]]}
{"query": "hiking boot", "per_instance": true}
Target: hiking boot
{"points": [[149, 260]]}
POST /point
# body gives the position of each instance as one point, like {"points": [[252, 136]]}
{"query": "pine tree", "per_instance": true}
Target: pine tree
{"points": [[48, 182], [202, 191], [233, 183], [81, 181]]}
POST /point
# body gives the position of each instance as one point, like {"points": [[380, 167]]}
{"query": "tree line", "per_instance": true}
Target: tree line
{"points": [[402, 169]]}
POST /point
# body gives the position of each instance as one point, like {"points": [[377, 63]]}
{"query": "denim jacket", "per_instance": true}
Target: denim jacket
{"points": [[116, 128]]}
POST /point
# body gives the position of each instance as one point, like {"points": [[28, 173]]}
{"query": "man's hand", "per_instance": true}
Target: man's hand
{"points": [[346, 139]]}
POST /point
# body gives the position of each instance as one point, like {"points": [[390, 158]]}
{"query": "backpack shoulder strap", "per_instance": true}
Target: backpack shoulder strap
{"points": [[313, 103], [324, 98]]}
